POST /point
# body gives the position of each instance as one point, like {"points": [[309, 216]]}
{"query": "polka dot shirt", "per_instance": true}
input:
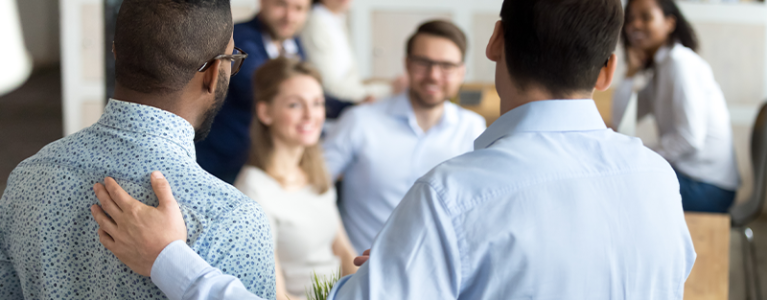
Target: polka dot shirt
{"points": [[49, 247]]}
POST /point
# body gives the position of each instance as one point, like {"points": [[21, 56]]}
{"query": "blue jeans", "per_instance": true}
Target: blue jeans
{"points": [[703, 197]]}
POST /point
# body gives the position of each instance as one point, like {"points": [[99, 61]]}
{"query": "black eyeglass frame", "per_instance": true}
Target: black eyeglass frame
{"points": [[237, 60], [444, 66]]}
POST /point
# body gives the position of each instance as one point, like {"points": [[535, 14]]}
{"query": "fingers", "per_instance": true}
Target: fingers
{"points": [[359, 260], [118, 195], [106, 200], [164, 194], [106, 239], [105, 222]]}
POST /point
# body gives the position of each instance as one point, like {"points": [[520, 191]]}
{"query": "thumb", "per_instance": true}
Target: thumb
{"points": [[161, 187]]}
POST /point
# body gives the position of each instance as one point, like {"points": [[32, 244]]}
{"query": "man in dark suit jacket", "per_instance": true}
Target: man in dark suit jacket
{"points": [[270, 34]]}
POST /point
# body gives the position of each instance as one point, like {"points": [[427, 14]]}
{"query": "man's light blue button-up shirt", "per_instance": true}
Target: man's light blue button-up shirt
{"points": [[381, 151], [48, 243], [550, 205]]}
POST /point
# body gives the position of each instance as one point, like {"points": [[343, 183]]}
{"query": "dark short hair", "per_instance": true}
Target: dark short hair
{"points": [[443, 29], [683, 33], [560, 45], [160, 44]]}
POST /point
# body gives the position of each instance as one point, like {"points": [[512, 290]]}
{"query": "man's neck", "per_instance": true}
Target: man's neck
{"points": [[513, 97], [167, 102], [427, 116]]}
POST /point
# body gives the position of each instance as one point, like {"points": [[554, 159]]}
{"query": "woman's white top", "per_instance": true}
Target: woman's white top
{"points": [[326, 42], [304, 226], [691, 113]]}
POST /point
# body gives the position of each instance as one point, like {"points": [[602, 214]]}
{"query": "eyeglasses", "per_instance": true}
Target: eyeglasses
{"points": [[423, 64], [237, 57]]}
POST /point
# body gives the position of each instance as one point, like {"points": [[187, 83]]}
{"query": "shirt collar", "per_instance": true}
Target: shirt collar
{"points": [[543, 116], [289, 46], [402, 107], [149, 120]]}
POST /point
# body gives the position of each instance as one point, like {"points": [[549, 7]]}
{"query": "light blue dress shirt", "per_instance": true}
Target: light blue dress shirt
{"points": [[381, 151], [48, 243], [550, 205]]}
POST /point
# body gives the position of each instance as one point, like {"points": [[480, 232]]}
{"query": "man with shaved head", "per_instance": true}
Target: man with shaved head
{"points": [[173, 63]]}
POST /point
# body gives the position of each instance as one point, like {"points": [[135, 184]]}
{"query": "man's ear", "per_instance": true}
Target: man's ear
{"points": [[262, 112], [606, 74], [114, 53], [494, 50], [210, 77]]}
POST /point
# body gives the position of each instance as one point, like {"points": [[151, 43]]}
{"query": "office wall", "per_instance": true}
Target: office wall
{"points": [[40, 25]]}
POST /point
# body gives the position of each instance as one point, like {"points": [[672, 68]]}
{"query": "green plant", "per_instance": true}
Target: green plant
{"points": [[321, 286]]}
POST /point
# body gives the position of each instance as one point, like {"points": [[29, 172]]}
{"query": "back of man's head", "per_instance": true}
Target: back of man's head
{"points": [[160, 44], [559, 45]]}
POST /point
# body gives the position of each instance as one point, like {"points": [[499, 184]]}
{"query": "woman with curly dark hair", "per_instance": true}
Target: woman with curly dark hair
{"points": [[678, 88]]}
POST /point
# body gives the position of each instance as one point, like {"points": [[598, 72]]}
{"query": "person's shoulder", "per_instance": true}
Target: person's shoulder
{"points": [[469, 116], [364, 112], [63, 150], [518, 161], [683, 59]]}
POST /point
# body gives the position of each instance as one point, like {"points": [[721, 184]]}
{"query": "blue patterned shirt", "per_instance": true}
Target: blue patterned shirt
{"points": [[49, 248]]}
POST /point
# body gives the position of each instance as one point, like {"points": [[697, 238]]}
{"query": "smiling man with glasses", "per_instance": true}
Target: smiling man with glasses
{"points": [[382, 148], [173, 64]]}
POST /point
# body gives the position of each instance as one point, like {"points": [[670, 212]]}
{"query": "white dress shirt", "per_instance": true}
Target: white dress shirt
{"points": [[304, 225], [550, 205], [381, 151], [691, 113], [326, 42], [289, 47]]}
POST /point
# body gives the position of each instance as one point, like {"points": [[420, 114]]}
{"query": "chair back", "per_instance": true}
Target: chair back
{"points": [[746, 212]]}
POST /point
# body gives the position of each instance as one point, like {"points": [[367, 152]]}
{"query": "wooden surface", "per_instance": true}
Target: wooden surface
{"points": [[711, 237], [490, 105]]}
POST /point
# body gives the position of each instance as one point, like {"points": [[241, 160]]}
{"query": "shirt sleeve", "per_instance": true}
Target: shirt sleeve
{"points": [[320, 51], [10, 284], [415, 256], [339, 146], [240, 244], [689, 104], [182, 274]]}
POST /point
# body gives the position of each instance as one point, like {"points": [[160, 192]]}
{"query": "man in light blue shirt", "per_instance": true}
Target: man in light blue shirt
{"points": [[550, 205], [171, 83], [383, 148]]}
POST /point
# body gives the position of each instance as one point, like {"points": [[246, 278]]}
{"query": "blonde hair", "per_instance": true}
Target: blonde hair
{"points": [[266, 86]]}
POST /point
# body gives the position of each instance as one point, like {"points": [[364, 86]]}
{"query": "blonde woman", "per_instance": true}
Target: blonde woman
{"points": [[286, 174]]}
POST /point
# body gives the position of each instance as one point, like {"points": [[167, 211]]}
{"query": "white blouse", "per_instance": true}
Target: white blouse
{"points": [[304, 226], [691, 113], [326, 41]]}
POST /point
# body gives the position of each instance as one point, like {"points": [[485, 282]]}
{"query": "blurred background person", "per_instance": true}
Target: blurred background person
{"points": [[688, 104], [272, 33], [328, 47], [286, 174], [381, 149]]}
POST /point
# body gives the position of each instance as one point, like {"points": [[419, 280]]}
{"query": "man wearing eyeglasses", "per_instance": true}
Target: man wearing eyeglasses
{"points": [[173, 63], [381, 149], [271, 33]]}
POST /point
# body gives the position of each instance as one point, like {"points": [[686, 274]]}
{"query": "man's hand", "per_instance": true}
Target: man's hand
{"points": [[137, 233], [359, 260]]}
